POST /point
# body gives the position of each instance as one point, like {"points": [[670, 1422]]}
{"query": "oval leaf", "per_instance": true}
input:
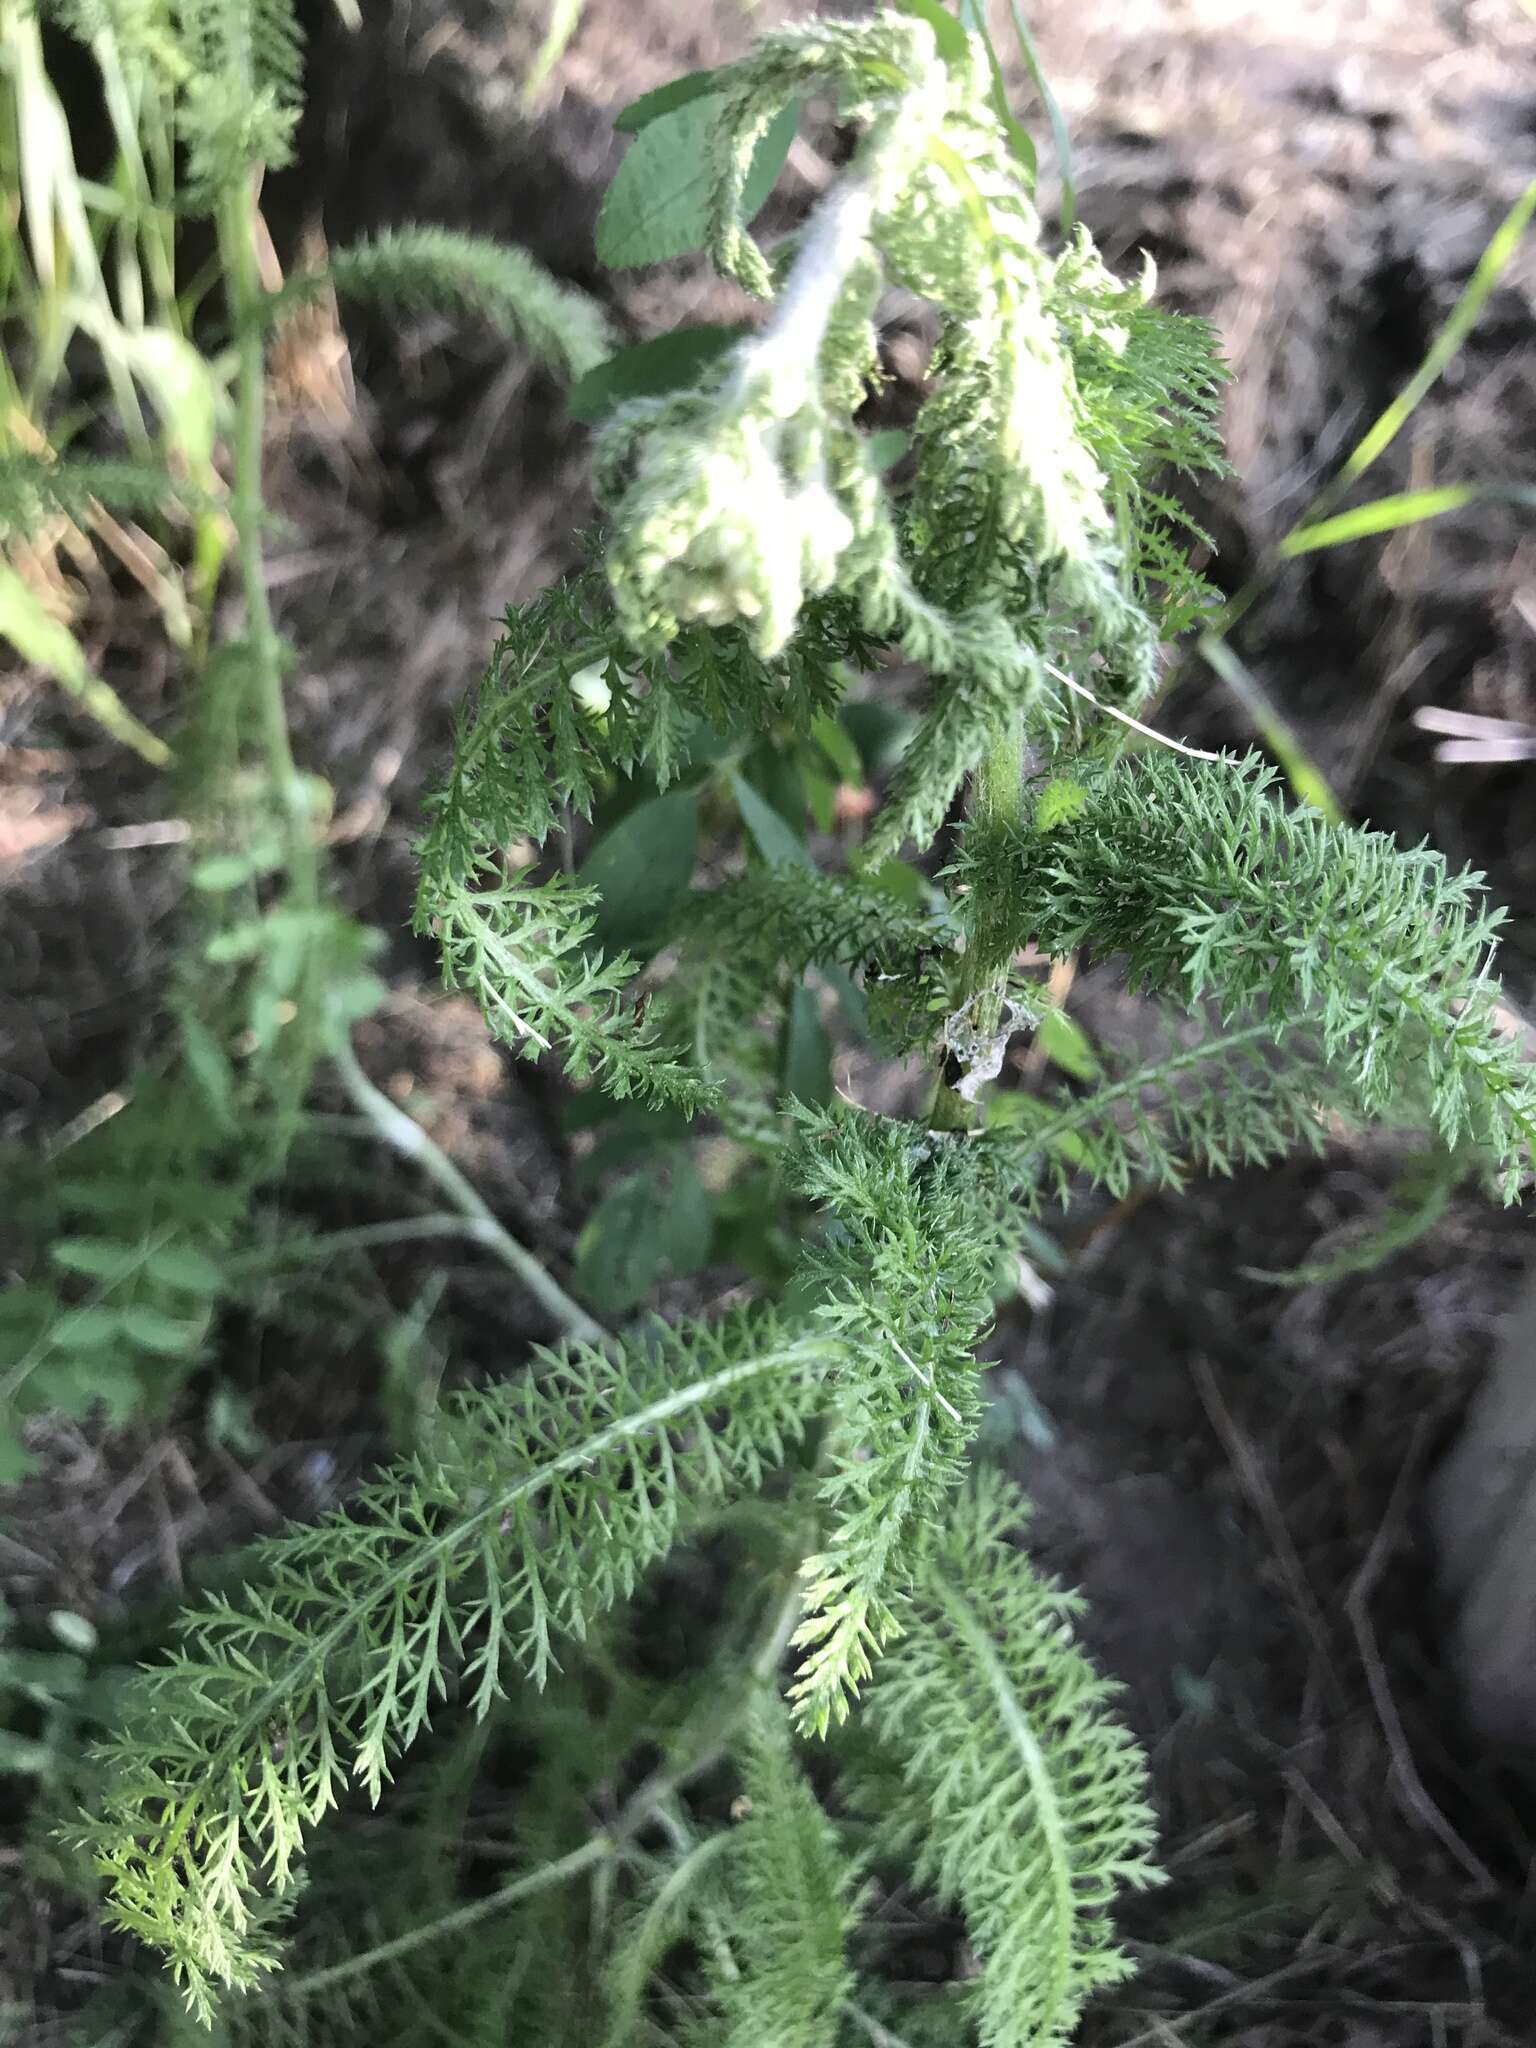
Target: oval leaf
{"points": [[166, 1336], [774, 839], [677, 92], [96, 1257], [184, 1269], [658, 204], [653, 1223], [641, 868], [652, 368]]}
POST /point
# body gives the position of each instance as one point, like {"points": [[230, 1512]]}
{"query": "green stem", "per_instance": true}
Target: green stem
{"points": [[999, 793], [407, 1137], [997, 802], [265, 650], [547, 1875], [361, 1237], [258, 684]]}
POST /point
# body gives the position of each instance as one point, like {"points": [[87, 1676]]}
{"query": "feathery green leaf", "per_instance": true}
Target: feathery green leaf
{"points": [[426, 268], [1024, 1802], [546, 1500]]}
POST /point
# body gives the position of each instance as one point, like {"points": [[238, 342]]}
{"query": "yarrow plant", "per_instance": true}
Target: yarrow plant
{"points": [[896, 1696]]}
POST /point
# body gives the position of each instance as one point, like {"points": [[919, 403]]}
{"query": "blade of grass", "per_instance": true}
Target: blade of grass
{"points": [[1402, 508], [1463, 316], [564, 19], [973, 16], [1318, 527], [1284, 742], [1061, 140], [58, 226], [1490, 267], [39, 638]]}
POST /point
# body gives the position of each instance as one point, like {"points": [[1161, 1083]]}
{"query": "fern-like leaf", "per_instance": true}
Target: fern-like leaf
{"points": [[31, 490], [1147, 391], [240, 66], [1227, 1098], [749, 942], [906, 1276], [522, 949], [565, 705], [550, 1497], [792, 1906], [427, 268], [1024, 1802], [989, 676], [683, 1888], [1214, 890]]}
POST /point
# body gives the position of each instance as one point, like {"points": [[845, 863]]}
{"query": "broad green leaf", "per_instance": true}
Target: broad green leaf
{"points": [[221, 872], [39, 638], [820, 796], [16, 1463], [167, 1336], [652, 368], [231, 1420], [658, 204], [210, 1068], [899, 878], [96, 1257], [835, 742], [886, 446], [640, 113], [1065, 1043], [624, 1146], [241, 942], [184, 1269], [773, 838], [83, 1380], [879, 733], [642, 867], [21, 1756], [87, 1328], [73, 1630], [807, 1063], [653, 1223]]}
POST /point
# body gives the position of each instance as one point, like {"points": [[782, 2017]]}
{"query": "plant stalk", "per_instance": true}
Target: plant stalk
{"points": [[246, 506], [996, 802], [407, 1137]]}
